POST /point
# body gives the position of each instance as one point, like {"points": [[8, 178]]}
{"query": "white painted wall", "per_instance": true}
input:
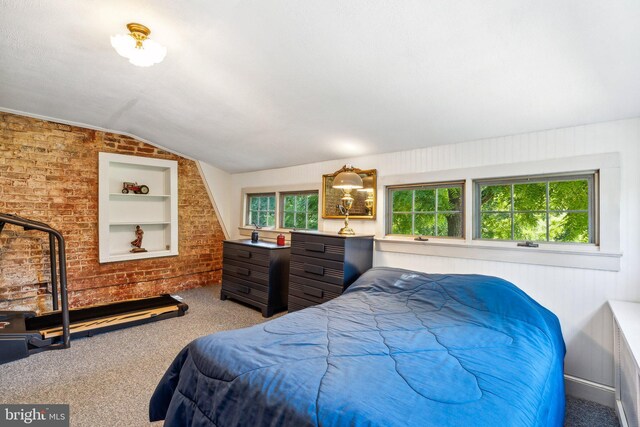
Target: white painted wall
{"points": [[218, 184], [578, 297]]}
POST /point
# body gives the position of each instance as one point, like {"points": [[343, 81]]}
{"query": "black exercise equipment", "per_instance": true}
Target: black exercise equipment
{"points": [[23, 332]]}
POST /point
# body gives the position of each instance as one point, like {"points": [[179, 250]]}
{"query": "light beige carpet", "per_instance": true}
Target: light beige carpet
{"points": [[108, 379]]}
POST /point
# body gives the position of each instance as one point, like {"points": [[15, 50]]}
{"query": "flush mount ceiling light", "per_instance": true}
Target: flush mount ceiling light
{"points": [[137, 47]]}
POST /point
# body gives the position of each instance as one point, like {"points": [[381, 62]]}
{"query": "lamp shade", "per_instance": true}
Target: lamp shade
{"points": [[367, 184], [347, 179]]}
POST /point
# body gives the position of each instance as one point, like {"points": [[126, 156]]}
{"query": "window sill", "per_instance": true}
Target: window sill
{"points": [[590, 257], [268, 234]]}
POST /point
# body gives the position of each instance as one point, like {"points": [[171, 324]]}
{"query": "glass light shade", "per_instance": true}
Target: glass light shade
{"points": [[347, 180], [367, 184], [150, 53]]}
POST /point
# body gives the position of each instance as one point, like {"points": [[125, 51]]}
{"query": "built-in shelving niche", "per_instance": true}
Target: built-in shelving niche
{"points": [[156, 212]]}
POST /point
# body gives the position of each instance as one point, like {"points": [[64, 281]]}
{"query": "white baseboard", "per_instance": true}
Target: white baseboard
{"points": [[621, 415], [588, 390]]}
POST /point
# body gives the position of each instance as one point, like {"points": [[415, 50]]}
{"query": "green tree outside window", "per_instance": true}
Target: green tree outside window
{"points": [[430, 210], [300, 211], [548, 210]]}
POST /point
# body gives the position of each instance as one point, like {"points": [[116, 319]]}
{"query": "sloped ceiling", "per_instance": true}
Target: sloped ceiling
{"points": [[250, 85]]}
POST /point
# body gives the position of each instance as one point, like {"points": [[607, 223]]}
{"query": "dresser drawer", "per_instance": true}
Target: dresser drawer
{"points": [[242, 270], [295, 307], [317, 269], [325, 247], [244, 253], [318, 292], [245, 290], [296, 303], [227, 278]]}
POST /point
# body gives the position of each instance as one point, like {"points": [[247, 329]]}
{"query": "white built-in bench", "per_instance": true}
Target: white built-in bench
{"points": [[626, 348]]}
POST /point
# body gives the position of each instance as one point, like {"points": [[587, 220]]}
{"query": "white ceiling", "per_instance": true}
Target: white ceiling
{"points": [[250, 85]]}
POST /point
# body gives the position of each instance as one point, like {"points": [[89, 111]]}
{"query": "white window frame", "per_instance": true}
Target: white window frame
{"points": [[605, 255]]}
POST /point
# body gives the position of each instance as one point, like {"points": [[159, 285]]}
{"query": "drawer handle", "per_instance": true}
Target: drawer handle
{"points": [[243, 271], [314, 269], [244, 254], [244, 289], [314, 247], [314, 292]]}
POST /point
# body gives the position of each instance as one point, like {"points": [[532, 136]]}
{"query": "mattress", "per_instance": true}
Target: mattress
{"points": [[397, 348]]}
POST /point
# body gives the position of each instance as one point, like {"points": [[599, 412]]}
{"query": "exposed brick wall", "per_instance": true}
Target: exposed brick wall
{"points": [[49, 173]]}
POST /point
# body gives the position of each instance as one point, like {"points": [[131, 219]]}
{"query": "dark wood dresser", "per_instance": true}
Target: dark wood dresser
{"points": [[323, 265], [256, 274]]}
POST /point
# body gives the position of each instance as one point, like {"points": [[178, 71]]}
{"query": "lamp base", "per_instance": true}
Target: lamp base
{"points": [[347, 231]]}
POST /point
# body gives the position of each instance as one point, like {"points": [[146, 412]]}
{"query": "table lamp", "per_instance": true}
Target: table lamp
{"points": [[367, 183], [347, 180]]}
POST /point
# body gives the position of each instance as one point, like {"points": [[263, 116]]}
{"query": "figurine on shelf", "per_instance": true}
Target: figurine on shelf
{"points": [[137, 244], [135, 187]]}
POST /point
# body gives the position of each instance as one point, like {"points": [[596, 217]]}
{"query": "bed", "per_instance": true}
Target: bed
{"points": [[397, 348]]}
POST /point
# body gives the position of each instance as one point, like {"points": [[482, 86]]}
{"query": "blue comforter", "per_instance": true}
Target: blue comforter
{"points": [[397, 348]]}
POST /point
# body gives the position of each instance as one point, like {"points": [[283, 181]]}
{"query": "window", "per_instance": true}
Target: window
{"points": [[542, 209], [299, 210], [595, 245], [261, 209], [427, 210]]}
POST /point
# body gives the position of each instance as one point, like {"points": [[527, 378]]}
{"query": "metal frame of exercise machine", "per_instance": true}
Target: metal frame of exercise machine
{"points": [[23, 332]]}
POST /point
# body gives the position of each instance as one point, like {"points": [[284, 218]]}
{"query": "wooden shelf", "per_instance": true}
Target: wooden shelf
{"points": [[119, 214], [117, 195], [129, 256], [140, 223]]}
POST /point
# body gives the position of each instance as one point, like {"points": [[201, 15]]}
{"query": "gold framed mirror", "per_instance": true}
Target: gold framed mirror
{"points": [[364, 199]]}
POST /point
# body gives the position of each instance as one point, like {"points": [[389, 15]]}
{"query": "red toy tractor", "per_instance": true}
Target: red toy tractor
{"points": [[134, 187]]}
